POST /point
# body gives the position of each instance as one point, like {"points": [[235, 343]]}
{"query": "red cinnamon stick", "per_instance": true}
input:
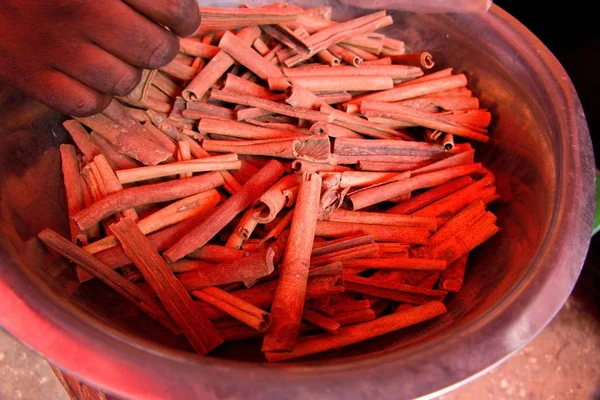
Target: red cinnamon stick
{"points": [[291, 287], [358, 333], [378, 232], [224, 214], [148, 194], [195, 326]]}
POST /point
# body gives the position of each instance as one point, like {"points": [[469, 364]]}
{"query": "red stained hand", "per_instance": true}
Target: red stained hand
{"points": [[74, 55]]}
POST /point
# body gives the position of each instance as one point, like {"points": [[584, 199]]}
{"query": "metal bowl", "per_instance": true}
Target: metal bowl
{"points": [[540, 151]]}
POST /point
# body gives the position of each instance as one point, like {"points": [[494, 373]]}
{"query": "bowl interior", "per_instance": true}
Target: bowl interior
{"points": [[523, 153]]}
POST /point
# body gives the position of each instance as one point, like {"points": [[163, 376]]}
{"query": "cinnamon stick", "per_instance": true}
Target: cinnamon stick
{"points": [[378, 232], [391, 290], [242, 311], [273, 200], [192, 206], [354, 147], [470, 236], [140, 148], [421, 118], [452, 278], [340, 32], [113, 279], [460, 199], [423, 199], [215, 163], [367, 250], [366, 198], [202, 335], [361, 332], [354, 179], [407, 90], [420, 264], [243, 230], [462, 220], [288, 302], [73, 190], [309, 148], [241, 130], [216, 67], [196, 48], [82, 139], [148, 194], [247, 57], [354, 316], [346, 55], [217, 254], [179, 70], [390, 71], [463, 158], [221, 18], [320, 321], [423, 60], [117, 160], [340, 215], [224, 214], [236, 84], [270, 106], [334, 82], [341, 244]]}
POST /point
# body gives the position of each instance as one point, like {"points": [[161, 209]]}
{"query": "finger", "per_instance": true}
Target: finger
{"points": [[64, 93], [181, 16], [132, 37], [98, 69]]}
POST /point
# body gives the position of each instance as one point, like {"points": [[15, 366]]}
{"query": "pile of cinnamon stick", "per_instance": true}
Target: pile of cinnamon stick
{"points": [[292, 178]]}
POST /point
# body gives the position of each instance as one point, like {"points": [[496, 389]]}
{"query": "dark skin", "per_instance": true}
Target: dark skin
{"points": [[74, 55]]}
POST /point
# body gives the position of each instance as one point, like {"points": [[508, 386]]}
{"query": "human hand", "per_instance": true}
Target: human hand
{"points": [[74, 55]]}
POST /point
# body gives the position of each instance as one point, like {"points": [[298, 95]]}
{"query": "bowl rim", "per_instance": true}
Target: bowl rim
{"points": [[116, 361]]}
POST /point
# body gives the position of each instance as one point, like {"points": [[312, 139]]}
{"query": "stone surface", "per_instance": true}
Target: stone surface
{"points": [[24, 375]]}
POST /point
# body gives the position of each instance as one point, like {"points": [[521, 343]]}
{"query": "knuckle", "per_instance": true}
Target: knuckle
{"points": [[164, 50], [125, 83]]}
